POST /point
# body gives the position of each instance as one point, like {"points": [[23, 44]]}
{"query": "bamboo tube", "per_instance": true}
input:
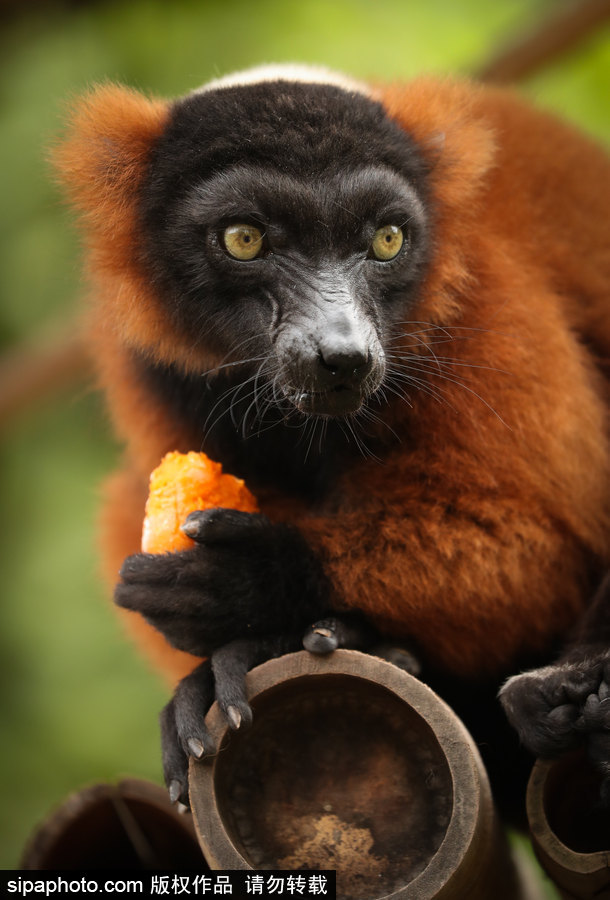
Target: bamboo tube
{"points": [[130, 825], [570, 829], [352, 765]]}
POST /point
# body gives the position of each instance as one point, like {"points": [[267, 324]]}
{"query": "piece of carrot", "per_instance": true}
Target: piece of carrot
{"points": [[183, 483]]}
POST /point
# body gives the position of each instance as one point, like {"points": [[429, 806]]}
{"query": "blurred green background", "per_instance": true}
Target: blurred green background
{"points": [[77, 704]]}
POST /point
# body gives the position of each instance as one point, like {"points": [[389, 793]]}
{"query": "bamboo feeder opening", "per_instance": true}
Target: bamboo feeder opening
{"points": [[352, 765], [130, 825], [320, 778], [573, 807], [570, 827]]}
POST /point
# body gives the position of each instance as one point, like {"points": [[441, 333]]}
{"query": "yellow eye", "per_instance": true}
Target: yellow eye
{"points": [[387, 242], [243, 241]]}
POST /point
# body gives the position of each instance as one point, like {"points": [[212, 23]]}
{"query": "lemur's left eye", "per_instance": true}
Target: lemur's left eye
{"points": [[243, 241], [386, 242]]}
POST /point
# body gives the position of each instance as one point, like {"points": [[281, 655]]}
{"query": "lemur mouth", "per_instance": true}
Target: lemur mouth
{"points": [[340, 400]]}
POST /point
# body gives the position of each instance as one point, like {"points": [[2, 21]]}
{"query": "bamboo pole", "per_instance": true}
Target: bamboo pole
{"points": [[130, 825], [558, 34], [34, 370]]}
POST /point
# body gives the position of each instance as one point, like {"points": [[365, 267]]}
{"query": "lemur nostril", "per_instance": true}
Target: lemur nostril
{"points": [[346, 361]]}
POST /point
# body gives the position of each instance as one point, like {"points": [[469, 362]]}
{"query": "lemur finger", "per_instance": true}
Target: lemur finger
{"points": [[174, 760], [182, 602], [154, 568], [192, 700], [221, 525], [401, 657], [539, 705], [321, 637], [326, 635], [230, 665]]}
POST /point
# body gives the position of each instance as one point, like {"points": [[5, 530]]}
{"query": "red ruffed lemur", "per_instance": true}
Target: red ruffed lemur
{"points": [[388, 310]]}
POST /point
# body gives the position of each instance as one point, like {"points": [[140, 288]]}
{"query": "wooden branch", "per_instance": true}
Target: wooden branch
{"points": [[33, 371], [556, 36]]}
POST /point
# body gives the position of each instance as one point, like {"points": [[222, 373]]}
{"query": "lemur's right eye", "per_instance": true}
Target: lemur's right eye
{"points": [[243, 242]]}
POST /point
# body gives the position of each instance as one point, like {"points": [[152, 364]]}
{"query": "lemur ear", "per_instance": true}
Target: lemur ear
{"points": [[101, 158], [101, 161]]}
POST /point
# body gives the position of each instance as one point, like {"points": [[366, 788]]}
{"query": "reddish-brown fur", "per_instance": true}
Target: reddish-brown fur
{"points": [[501, 500]]}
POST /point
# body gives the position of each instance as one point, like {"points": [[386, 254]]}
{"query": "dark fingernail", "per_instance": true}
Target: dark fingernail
{"points": [[196, 748], [190, 528], [175, 789], [325, 632], [234, 717], [320, 644]]}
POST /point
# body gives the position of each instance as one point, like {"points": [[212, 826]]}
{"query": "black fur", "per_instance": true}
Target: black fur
{"points": [[245, 578], [221, 678], [268, 446], [244, 594], [317, 169]]}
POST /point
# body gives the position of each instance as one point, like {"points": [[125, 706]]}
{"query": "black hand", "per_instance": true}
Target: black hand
{"points": [[341, 630], [246, 577], [352, 631], [183, 729], [562, 706]]}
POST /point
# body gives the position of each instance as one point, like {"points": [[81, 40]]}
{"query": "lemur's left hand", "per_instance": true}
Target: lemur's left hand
{"points": [[223, 678], [245, 577], [248, 591], [244, 593]]}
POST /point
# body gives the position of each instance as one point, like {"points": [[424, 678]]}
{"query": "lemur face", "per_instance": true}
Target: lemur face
{"points": [[286, 229]]}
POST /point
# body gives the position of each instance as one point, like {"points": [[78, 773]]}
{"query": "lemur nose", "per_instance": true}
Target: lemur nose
{"points": [[344, 360]]}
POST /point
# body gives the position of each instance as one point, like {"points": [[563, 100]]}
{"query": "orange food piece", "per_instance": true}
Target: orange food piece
{"points": [[181, 484]]}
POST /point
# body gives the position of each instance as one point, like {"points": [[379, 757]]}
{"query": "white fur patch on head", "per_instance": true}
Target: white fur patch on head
{"points": [[286, 72]]}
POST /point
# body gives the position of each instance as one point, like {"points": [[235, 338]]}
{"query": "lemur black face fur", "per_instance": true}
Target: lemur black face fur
{"points": [[286, 226]]}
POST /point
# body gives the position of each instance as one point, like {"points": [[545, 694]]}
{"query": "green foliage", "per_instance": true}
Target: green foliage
{"points": [[78, 705]]}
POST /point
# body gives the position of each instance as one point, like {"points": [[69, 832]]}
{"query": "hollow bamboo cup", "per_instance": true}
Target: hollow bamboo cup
{"points": [[570, 828], [130, 825], [351, 764]]}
